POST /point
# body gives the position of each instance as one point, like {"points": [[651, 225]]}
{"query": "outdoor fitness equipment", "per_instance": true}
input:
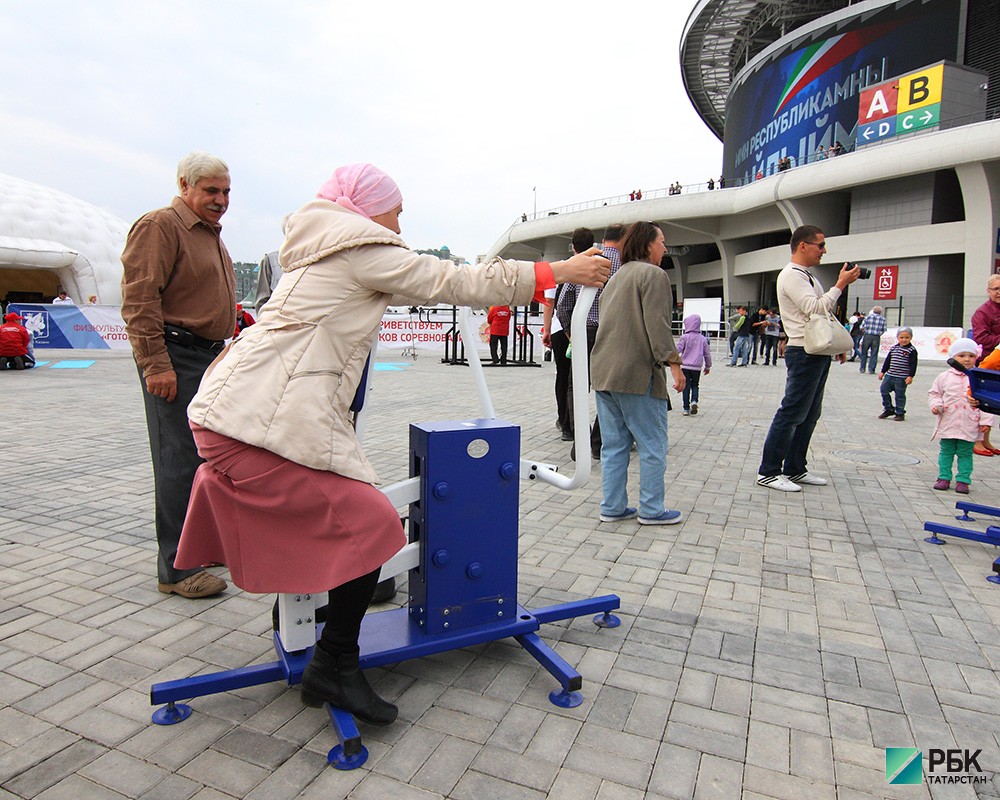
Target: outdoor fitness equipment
{"points": [[984, 385], [462, 495], [992, 535]]}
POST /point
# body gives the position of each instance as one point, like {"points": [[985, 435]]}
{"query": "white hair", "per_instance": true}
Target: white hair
{"points": [[197, 166], [992, 279]]}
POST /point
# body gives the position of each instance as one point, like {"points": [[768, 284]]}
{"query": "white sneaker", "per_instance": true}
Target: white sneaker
{"points": [[779, 482], [807, 479]]}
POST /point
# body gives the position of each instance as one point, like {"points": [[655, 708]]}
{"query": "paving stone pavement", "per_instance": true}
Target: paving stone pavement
{"points": [[772, 645]]}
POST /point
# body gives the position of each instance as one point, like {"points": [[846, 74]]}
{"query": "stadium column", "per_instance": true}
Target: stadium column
{"points": [[980, 184]]}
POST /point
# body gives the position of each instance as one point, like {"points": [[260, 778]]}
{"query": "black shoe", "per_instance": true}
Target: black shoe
{"points": [[566, 435], [572, 453], [339, 681], [899, 418], [886, 414], [384, 591], [3, 362], [18, 362]]}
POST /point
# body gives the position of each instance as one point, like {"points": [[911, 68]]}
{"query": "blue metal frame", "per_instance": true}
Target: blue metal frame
{"points": [[462, 593], [992, 535]]}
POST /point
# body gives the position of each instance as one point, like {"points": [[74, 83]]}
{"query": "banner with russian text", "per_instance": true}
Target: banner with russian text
{"points": [[69, 326]]}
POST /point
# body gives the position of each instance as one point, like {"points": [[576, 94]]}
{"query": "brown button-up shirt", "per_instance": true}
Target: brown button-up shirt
{"points": [[178, 271]]}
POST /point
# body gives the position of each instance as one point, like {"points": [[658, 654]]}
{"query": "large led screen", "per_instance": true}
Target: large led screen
{"points": [[808, 98]]}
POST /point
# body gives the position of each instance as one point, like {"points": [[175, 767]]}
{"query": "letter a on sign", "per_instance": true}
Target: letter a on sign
{"points": [[877, 102], [879, 105]]}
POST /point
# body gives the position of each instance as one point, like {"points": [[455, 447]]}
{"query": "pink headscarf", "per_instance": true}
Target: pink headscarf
{"points": [[363, 189]]}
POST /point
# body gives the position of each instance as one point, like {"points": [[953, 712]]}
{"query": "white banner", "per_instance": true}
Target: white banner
{"points": [[430, 329], [932, 343]]}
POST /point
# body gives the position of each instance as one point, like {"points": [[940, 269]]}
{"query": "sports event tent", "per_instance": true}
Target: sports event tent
{"points": [[49, 240]]}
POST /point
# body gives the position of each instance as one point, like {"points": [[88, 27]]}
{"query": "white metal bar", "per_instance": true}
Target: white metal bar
{"points": [[297, 620], [402, 493], [581, 398], [406, 559], [469, 336]]}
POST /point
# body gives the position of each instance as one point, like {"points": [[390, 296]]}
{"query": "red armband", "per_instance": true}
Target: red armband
{"points": [[544, 279]]}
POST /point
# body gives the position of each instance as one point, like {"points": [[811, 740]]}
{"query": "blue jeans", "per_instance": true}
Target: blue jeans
{"points": [[793, 425], [891, 384], [741, 348], [870, 343], [626, 418], [770, 349], [691, 380]]}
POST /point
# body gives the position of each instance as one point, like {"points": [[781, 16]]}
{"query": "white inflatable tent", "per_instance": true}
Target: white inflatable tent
{"points": [[78, 244]]}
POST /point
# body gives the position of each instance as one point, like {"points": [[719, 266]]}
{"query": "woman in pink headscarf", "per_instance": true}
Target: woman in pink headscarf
{"points": [[286, 499]]}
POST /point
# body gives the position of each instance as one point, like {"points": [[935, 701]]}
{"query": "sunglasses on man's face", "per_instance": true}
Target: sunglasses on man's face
{"points": [[820, 245]]}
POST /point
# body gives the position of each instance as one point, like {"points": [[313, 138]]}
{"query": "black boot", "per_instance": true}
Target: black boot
{"points": [[339, 681], [384, 591]]}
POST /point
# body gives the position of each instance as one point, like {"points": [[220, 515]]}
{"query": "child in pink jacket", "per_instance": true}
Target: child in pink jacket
{"points": [[959, 420]]}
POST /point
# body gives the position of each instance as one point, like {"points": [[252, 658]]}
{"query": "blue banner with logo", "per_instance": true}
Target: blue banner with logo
{"points": [[73, 327]]}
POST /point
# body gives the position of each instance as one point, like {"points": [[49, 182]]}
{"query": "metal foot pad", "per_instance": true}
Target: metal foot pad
{"points": [[339, 760], [607, 620], [565, 699], [171, 714]]}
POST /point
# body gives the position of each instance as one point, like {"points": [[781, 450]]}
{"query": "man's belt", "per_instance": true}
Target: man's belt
{"points": [[184, 337]]}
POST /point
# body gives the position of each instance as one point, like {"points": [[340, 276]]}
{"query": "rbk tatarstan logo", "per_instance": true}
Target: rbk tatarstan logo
{"points": [[904, 765]]}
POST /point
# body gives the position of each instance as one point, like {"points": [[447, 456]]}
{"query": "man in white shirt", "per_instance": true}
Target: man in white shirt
{"points": [[63, 299], [783, 465]]}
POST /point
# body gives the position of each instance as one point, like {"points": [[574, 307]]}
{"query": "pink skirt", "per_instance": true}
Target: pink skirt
{"points": [[280, 526]]}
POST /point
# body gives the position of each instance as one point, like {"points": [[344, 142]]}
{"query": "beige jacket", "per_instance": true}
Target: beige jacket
{"points": [[287, 383], [800, 295], [634, 343]]}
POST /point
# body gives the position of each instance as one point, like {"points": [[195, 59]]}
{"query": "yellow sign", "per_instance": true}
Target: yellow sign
{"points": [[919, 89]]}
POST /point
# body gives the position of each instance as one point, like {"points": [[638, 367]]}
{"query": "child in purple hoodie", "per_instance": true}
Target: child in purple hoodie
{"points": [[694, 352]]}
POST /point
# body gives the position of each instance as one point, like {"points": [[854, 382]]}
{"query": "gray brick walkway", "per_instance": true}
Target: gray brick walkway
{"points": [[772, 645]]}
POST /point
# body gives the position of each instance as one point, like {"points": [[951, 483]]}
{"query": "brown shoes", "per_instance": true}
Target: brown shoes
{"points": [[201, 584]]}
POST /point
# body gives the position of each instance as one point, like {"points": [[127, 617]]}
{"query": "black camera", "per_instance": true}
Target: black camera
{"points": [[865, 272]]}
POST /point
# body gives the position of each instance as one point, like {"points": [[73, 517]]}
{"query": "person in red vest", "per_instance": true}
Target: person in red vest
{"points": [[243, 319], [14, 343], [499, 320]]}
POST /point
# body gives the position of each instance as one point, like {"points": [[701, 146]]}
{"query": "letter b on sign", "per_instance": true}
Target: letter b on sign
{"points": [[920, 89]]}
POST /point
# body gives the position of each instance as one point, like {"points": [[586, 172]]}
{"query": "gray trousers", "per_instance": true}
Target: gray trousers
{"points": [[175, 456]]}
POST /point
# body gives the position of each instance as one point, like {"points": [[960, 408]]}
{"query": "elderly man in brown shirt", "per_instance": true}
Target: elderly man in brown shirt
{"points": [[179, 305]]}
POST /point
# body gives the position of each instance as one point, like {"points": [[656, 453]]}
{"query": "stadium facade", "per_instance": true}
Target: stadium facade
{"points": [[907, 92]]}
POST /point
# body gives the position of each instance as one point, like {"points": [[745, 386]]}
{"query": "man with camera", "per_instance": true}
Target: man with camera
{"points": [[179, 305], [783, 464]]}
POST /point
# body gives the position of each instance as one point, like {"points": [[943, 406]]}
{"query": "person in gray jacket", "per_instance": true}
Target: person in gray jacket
{"points": [[630, 361]]}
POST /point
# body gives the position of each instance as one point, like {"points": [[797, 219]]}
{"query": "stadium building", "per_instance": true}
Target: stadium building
{"points": [[906, 93]]}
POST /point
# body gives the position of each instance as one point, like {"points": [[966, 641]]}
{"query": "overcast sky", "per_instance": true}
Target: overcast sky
{"points": [[467, 105]]}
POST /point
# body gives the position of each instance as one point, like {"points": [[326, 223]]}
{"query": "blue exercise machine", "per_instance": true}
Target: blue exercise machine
{"points": [[992, 535], [984, 385], [462, 494]]}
